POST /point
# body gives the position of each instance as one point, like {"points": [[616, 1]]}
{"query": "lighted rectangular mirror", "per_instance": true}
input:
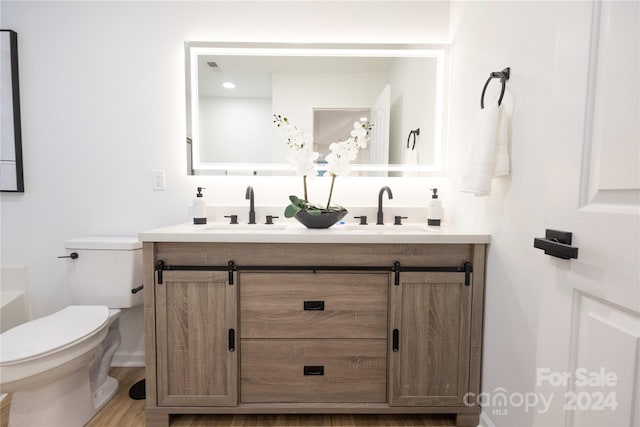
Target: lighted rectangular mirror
{"points": [[233, 90]]}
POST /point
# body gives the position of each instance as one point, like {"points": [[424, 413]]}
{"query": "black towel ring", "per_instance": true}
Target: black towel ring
{"points": [[503, 76], [414, 132]]}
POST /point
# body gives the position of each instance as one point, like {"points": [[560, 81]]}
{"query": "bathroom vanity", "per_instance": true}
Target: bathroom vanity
{"points": [[290, 320]]}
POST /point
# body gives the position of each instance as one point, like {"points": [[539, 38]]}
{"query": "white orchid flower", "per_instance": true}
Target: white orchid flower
{"points": [[360, 134], [303, 159]]}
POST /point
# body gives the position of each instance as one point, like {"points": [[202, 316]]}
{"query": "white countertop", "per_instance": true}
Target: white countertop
{"points": [[293, 232]]}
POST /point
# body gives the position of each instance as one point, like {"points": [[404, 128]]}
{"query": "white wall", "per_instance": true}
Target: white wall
{"points": [[489, 36], [235, 128], [413, 101], [102, 97]]}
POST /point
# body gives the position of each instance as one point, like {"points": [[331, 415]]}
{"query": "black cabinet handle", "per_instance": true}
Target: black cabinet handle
{"points": [[232, 340], [396, 340], [314, 305], [314, 370]]}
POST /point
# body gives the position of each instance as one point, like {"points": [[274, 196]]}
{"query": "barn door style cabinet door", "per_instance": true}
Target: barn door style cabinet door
{"points": [[196, 324], [430, 329]]}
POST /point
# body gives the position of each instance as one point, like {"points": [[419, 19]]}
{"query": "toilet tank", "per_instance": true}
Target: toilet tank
{"points": [[105, 271]]}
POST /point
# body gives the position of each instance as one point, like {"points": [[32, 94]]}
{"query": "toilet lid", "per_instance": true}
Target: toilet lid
{"points": [[52, 332]]}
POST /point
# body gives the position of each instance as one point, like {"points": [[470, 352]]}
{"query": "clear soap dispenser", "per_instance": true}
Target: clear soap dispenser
{"points": [[199, 208], [434, 209]]}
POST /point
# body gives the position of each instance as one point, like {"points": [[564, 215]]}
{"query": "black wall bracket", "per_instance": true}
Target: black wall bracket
{"points": [[557, 244]]}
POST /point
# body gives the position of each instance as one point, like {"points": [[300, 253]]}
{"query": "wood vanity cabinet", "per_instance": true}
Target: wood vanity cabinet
{"points": [[312, 328]]}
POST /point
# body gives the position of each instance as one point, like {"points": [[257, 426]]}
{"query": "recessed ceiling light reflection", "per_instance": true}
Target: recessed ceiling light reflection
{"points": [[228, 85]]}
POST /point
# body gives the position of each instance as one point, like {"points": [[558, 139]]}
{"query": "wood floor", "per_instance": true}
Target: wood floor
{"points": [[125, 412]]}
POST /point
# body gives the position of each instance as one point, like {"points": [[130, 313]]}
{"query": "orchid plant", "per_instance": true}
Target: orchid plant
{"points": [[302, 158]]}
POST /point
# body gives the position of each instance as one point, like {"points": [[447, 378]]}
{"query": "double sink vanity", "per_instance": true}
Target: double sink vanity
{"points": [[259, 319], [275, 318]]}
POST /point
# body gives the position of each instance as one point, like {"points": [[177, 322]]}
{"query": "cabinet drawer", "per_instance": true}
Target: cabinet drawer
{"points": [[297, 371], [308, 305]]}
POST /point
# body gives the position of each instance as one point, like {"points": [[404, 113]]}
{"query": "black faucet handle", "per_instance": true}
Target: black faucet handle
{"points": [[233, 219], [398, 219], [362, 218], [270, 219]]}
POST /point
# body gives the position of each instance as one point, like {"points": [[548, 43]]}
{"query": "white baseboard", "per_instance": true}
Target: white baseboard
{"points": [[128, 360], [485, 421]]}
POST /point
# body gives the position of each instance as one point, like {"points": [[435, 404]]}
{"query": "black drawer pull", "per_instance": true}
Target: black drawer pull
{"points": [[396, 340], [232, 340], [314, 370], [314, 305]]}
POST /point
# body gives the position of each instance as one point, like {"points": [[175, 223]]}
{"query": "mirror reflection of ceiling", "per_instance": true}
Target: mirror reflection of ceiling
{"points": [[230, 130], [252, 74]]}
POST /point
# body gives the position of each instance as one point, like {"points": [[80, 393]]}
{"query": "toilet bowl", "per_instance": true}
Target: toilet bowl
{"points": [[57, 366]]}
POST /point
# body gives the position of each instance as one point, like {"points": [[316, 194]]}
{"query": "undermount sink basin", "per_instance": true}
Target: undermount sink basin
{"points": [[390, 228], [245, 227]]}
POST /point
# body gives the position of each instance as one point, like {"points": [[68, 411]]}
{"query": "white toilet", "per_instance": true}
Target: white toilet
{"points": [[57, 366]]}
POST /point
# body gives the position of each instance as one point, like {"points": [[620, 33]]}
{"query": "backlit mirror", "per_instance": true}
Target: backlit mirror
{"points": [[233, 90]]}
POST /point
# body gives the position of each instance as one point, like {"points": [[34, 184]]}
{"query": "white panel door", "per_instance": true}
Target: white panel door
{"points": [[589, 328], [380, 117]]}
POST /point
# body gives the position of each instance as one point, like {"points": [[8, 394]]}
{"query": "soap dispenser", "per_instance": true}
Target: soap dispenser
{"points": [[434, 209], [199, 208]]}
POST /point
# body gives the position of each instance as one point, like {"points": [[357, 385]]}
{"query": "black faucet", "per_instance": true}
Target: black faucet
{"points": [[252, 211], [380, 220]]}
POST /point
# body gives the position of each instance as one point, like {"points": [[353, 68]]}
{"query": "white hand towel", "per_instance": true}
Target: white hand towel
{"points": [[489, 142], [502, 145]]}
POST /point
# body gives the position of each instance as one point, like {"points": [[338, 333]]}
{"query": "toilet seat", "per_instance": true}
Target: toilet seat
{"points": [[57, 367], [46, 335]]}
